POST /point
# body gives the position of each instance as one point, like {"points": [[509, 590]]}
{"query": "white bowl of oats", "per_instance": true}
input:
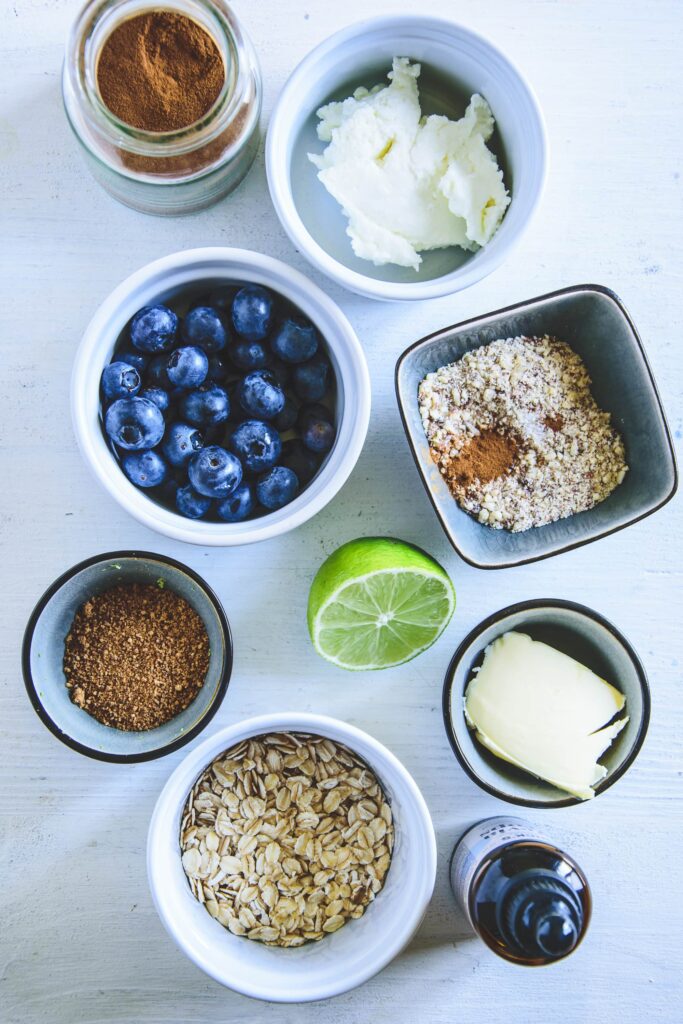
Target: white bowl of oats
{"points": [[291, 857]]}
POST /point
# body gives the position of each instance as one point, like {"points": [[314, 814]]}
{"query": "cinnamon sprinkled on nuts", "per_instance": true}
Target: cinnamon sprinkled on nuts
{"points": [[517, 434]]}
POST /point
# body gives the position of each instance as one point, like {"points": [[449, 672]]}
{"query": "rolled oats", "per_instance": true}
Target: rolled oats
{"points": [[285, 837]]}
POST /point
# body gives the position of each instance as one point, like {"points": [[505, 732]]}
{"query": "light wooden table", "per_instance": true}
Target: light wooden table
{"points": [[81, 942]]}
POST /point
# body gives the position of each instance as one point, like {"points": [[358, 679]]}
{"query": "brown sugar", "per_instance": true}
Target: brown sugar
{"points": [[160, 71], [485, 457], [136, 656]]}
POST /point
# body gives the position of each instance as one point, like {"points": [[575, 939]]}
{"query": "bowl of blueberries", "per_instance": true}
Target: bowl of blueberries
{"points": [[220, 396]]}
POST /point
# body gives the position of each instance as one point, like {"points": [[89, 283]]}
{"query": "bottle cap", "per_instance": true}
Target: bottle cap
{"points": [[541, 916]]}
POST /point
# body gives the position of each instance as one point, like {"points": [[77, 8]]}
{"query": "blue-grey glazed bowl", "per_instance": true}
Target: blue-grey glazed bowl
{"points": [[581, 633], [43, 654], [593, 321]]}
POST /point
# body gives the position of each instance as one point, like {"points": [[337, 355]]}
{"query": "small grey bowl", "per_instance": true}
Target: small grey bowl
{"points": [[593, 321], [582, 634], [43, 654]]}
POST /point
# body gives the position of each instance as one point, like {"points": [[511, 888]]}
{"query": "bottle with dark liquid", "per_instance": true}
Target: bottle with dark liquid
{"points": [[526, 899]]}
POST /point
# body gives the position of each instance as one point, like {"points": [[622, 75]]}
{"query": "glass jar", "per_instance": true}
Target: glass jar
{"points": [[171, 172]]}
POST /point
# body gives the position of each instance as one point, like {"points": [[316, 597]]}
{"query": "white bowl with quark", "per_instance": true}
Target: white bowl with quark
{"points": [[338, 962], [196, 271], [456, 63]]}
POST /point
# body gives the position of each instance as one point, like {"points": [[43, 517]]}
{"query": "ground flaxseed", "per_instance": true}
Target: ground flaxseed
{"points": [[517, 434], [136, 656]]}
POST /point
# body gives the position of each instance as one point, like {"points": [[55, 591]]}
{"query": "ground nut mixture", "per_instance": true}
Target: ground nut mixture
{"points": [[285, 837], [517, 435], [136, 655]]}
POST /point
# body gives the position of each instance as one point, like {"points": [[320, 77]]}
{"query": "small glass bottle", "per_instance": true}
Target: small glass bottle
{"points": [[165, 172], [526, 899]]}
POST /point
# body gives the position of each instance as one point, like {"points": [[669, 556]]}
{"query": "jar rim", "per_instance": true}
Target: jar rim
{"points": [[218, 20]]}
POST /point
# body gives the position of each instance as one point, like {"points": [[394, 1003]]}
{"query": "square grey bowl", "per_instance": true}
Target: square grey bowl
{"points": [[594, 323]]}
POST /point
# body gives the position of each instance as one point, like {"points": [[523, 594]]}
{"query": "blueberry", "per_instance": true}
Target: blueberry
{"points": [[206, 406], [237, 506], [156, 375], [157, 395], [310, 379], [318, 436], [191, 504], [203, 326], [153, 329], [260, 395], [134, 423], [252, 309], [317, 428], [277, 487], [295, 340], [300, 460], [256, 445], [214, 472], [219, 369], [187, 367], [181, 443], [137, 359], [119, 380], [219, 299], [249, 355], [287, 416], [145, 469]]}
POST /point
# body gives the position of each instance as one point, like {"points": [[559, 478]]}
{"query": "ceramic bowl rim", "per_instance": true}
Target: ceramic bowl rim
{"points": [[280, 188], [499, 617], [167, 748], [572, 545], [297, 721], [352, 379]]}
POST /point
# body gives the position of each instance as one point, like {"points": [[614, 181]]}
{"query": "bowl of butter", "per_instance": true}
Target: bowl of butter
{"points": [[405, 157], [546, 704]]}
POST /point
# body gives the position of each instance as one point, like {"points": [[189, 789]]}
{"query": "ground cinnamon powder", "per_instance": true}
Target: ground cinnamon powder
{"points": [[160, 71], [487, 456], [136, 656]]}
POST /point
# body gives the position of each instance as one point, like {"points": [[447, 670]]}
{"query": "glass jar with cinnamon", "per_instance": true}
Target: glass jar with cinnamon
{"points": [[165, 99]]}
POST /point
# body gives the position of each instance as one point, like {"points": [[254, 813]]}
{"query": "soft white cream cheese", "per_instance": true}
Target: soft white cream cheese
{"points": [[408, 183], [544, 712]]}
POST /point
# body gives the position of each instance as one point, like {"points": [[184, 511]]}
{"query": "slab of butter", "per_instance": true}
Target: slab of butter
{"points": [[408, 183], [541, 710]]}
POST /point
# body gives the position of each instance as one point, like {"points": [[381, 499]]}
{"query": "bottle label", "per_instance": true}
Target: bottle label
{"points": [[480, 842]]}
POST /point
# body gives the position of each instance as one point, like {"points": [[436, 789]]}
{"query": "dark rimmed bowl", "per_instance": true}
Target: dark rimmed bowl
{"points": [[581, 633], [43, 653], [595, 324]]}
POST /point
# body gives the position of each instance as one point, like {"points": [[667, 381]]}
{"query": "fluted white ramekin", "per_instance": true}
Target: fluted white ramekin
{"points": [[206, 269]]}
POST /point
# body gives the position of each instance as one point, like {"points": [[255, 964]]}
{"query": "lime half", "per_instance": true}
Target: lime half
{"points": [[377, 602]]}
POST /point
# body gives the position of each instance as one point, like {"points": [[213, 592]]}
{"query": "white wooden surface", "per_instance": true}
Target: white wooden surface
{"points": [[81, 943]]}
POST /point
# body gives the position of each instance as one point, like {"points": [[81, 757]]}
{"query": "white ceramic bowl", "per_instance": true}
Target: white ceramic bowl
{"points": [[203, 269], [456, 63], [338, 962]]}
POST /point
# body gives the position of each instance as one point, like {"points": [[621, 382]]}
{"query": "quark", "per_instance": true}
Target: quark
{"points": [[544, 712], [408, 183]]}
